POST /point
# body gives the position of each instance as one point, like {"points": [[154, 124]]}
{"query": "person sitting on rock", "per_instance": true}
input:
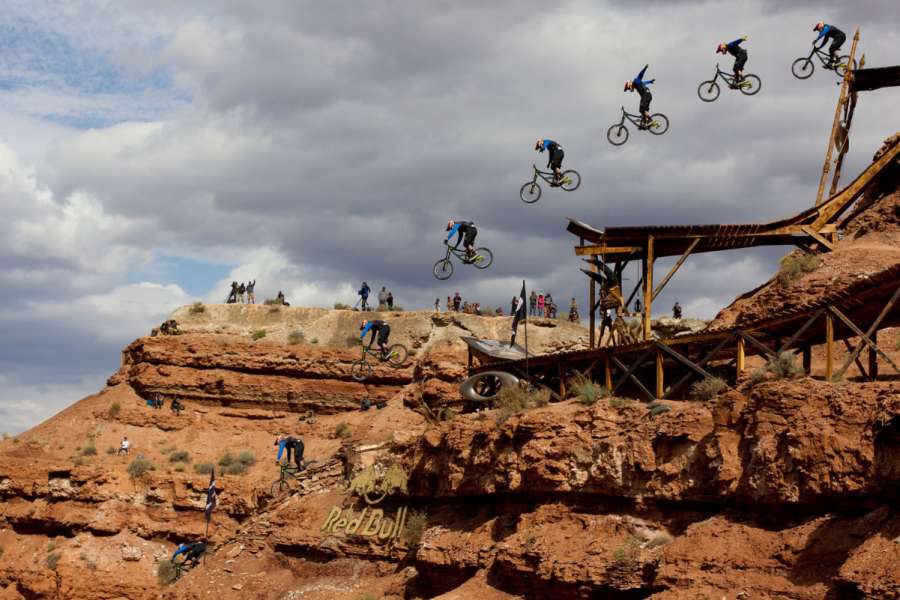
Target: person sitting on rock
{"points": [[192, 553], [293, 446], [123, 449], [176, 406]]}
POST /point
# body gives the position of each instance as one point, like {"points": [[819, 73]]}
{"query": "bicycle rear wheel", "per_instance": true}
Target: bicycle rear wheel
{"points": [[397, 355], [617, 134], [571, 180], [530, 192], [659, 124], [483, 258], [360, 370], [443, 269], [750, 85], [708, 91], [842, 65], [802, 68], [278, 487]]}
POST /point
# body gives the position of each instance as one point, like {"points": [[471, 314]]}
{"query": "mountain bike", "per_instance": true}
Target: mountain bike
{"points": [[360, 369], [618, 133], [481, 259], [288, 472], [803, 67], [531, 191], [709, 90]]}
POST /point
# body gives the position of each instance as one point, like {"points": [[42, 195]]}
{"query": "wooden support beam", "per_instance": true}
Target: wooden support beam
{"points": [[807, 359], [629, 370], [634, 379], [741, 357], [648, 288], [607, 374], [873, 358], [755, 342], [848, 120], [682, 359], [859, 365], [660, 381], [709, 356], [562, 380], [675, 267], [592, 303], [865, 340], [634, 292], [604, 249], [534, 381], [829, 346], [837, 118], [815, 235]]}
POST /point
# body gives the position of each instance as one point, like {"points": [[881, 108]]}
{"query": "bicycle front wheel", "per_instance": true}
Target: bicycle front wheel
{"points": [[570, 180], [802, 68], [659, 124], [360, 370], [530, 192], [397, 355], [443, 269], [617, 134], [750, 85], [278, 487], [483, 258], [708, 91], [843, 64]]}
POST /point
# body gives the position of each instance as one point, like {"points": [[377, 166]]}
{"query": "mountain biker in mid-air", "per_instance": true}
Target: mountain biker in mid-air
{"points": [[463, 228], [740, 57], [376, 326], [554, 158], [837, 38], [640, 86], [293, 446]]}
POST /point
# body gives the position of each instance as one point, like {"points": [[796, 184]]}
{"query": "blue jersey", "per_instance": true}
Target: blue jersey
{"points": [[826, 31], [734, 46], [373, 326], [181, 550], [639, 80]]}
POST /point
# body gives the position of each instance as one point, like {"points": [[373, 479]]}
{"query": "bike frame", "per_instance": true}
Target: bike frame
{"points": [[633, 119], [376, 354], [726, 77], [547, 176], [460, 254], [824, 57]]}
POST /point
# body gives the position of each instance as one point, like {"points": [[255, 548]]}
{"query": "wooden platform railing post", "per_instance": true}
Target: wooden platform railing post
{"points": [[741, 358], [592, 301], [607, 373], [873, 357], [807, 359], [660, 381], [829, 346], [648, 287]]}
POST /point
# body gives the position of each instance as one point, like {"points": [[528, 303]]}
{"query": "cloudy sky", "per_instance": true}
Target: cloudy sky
{"points": [[151, 152]]}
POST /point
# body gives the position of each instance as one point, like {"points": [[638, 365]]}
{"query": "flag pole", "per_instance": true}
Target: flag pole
{"points": [[526, 329]]}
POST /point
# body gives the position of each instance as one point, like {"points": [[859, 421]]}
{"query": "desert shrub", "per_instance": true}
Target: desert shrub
{"points": [[246, 458], [488, 312], [235, 468], [271, 301], [660, 538], [314, 341], [258, 334], [236, 465], [414, 527], [51, 546], [53, 560], [516, 398], [113, 411], [110, 449], [342, 306], [341, 431], [139, 469], [295, 337], [165, 572], [180, 456], [89, 450], [197, 308], [227, 459], [586, 391], [627, 553], [203, 468], [179, 468], [657, 408], [784, 366], [795, 264], [708, 388], [78, 462]]}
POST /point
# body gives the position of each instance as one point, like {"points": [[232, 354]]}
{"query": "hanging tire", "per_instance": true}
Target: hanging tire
{"points": [[755, 84], [617, 134], [483, 258], [708, 91], [397, 355], [659, 124], [574, 180], [360, 370], [443, 269], [803, 68], [530, 192]]}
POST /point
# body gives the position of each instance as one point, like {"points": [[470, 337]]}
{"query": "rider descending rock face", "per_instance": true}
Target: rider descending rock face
{"points": [[376, 326], [739, 54], [465, 230], [831, 32], [640, 86], [555, 155], [293, 446]]}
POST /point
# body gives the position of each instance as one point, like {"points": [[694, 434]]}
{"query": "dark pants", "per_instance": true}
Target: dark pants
{"points": [[646, 97], [471, 232], [296, 449], [739, 61], [556, 159], [836, 42], [383, 334]]}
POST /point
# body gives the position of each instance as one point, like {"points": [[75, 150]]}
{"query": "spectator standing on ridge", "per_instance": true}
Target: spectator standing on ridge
{"points": [[548, 303], [512, 305], [251, 297], [676, 311], [532, 304], [637, 306], [449, 304], [241, 289], [540, 305], [123, 448], [364, 296], [437, 305], [498, 312], [573, 311], [232, 295], [390, 300], [457, 301], [382, 298]]}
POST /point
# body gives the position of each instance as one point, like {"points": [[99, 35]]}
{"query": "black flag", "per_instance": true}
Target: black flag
{"points": [[518, 313], [211, 496]]}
